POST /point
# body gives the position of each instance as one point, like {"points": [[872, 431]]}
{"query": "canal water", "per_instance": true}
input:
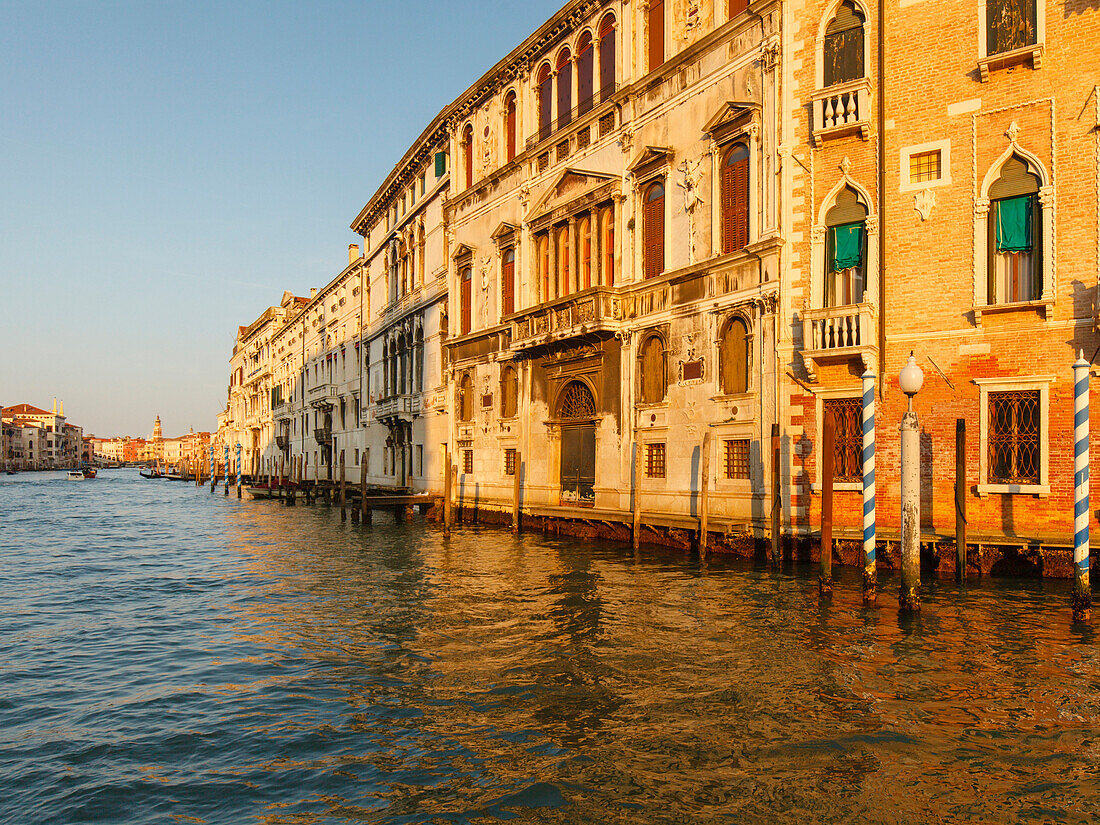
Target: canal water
{"points": [[175, 656]]}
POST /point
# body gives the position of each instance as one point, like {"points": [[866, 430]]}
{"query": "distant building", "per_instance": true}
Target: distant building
{"points": [[38, 439]]}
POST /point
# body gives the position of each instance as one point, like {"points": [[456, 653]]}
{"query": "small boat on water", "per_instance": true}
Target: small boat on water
{"points": [[80, 475], [151, 472]]}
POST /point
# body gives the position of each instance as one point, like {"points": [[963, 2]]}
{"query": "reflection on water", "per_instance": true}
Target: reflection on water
{"points": [[172, 656]]}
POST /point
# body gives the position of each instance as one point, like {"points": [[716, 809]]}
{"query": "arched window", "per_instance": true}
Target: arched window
{"points": [[465, 398], [561, 285], [1015, 235], [509, 392], [465, 277], [655, 26], [385, 369], [843, 48], [845, 250], [735, 198], [510, 124], [584, 252], [546, 101], [607, 56], [468, 154], [653, 230], [733, 357], [735, 7], [576, 402], [654, 383], [421, 244], [508, 281], [607, 246], [565, 88], [584, 73], [543, 253]]}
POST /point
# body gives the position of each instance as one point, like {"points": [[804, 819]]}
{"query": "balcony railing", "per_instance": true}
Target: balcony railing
{"points": [[563, 124], [841, 109], [395, 406], [568, 317], [838, 333], [322, 436], [282, 442], [322, 395]]}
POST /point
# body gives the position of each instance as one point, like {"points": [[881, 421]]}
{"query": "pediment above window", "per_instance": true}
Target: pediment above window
{"points": [[572, 185], [649, 159], [462, 251], [731, 119], [504, 233]]}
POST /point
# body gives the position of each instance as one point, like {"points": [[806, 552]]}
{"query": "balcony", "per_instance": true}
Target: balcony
{"points": [[842, 109], [404, 407], [323, 395], [596, 310], [323, 436], [833, 334], [282, 442]]}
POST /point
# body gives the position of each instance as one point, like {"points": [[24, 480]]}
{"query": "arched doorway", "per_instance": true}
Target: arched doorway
{"points": [[577, 413]]}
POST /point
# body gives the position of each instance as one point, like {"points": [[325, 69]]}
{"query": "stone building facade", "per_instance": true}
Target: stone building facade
{"points": [[660, 227]]}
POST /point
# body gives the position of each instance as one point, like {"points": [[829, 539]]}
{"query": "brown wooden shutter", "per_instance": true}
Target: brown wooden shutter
{"points": [[735, 205], [734, 358], [736, 7], [468, 155], [466, 299], [654, 232], [565, 93], [546, 92], [584, 79], [607, 58], [508, 283], [656, 33], [510, 127]]}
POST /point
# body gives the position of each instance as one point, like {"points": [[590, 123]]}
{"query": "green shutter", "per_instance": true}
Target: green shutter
{"points": [[1014, 224], [440, 164], [847, 246]]}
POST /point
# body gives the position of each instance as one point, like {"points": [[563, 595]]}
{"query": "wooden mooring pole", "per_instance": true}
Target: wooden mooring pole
{"points": [[364, 509], [448, 512], [777, 501], [343, 491], [828, 471], [516, 491], [704, 494], [960, 499], [636, 528]]}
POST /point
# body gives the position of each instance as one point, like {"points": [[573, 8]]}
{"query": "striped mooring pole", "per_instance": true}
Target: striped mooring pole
{"points": [[870, 575], [226, 448], [1082, 591]]}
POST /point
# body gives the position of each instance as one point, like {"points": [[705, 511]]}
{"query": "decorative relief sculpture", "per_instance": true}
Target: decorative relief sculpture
{"points": [[923, 202], [691, 176]]}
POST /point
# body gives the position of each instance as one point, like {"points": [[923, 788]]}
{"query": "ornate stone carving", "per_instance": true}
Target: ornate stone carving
{"points": [[923, 202]]}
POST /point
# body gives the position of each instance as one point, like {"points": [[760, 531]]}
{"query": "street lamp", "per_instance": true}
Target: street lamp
{"points": [[910, 379]]}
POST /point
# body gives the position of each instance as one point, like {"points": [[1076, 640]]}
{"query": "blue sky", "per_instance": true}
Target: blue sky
{"points": [[167, 169]]}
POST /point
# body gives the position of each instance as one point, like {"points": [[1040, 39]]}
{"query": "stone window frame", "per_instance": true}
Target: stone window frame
{"points": [[817, 244], [987, 62], [723, 322], [644, 337], [739, 431], [943, 147], [820, 397], [1011, 384], [982, 205], [722, 138]]}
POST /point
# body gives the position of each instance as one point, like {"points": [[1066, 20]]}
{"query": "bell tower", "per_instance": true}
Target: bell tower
{"points": [[157, 434]]}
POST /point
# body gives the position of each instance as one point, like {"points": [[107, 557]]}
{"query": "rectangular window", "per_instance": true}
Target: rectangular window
{"points": [[467, 461], [737, 458], [356, 456], [510, 461], [1010, 25], [848, 438], [925, 166], [1014, 455], [655, 460]]}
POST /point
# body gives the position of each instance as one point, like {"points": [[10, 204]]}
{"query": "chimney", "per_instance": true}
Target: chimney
{"points": [[353, 253], [62, 409], [312, 293], [55, 405]]}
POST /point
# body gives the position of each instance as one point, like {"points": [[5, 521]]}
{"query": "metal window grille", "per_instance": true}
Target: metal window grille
{"points": [[848, 438], [544, 161], [577, 402], [924, 166], [737, 458], [655, 460], [607, 124], [584, 137], [1014, 437], [562, 150], [467, 461], [510, 461]]}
